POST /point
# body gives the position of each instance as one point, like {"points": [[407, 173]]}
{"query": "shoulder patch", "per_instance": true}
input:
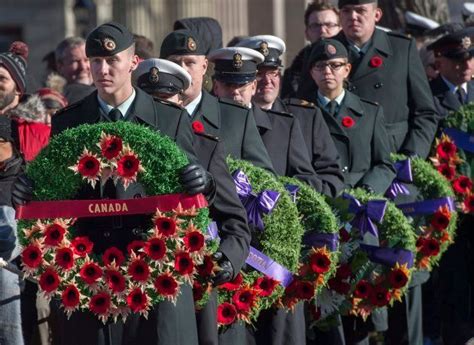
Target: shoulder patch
{"points": [[207, 136], [163, 101], [232, 102], [299, 102]]}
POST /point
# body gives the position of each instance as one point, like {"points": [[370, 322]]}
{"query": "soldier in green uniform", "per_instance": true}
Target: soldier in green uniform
{"points": [[110, 48]]}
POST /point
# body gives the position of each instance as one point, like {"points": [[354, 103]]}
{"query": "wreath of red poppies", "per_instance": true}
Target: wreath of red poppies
{"points": [[114, 284]]}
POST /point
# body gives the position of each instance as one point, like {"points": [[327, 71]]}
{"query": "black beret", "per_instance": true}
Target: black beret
{"points": [[455, 45], [327, 49], [5, 128], [181, 42], [343, 3], [108, 39]]}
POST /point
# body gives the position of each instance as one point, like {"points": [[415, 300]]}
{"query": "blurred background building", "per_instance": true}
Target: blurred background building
{"points": [[44, 23]]}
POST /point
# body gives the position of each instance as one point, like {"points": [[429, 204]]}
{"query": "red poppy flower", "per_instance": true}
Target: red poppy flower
{"points": [[234, 284], [135, 247], [111, 146], [265, 285], [113, 254], [344, 235], [137, 300], [90, 272], [166, 284], [344, 271], [397, 278], [446, 149], [420, 242], [65, 258], [462, 185], [379, 296], [348, 122], [183, 263], [339, 286], [115, 281], [139, 270], [198, 127], [194, 241], [88, 166], [376, 61], [128, 166], [319, 263], [226, 313], [49, 280], [165, 226], [100, 303], [32, 256], [243, 300], [440, 220], [53, 234], [363, 289], [70, 296], [469, 203], [198, 291], [206, 268], [155, 248], [430, 247], [82, 246], [304, 290], [447, 171]]}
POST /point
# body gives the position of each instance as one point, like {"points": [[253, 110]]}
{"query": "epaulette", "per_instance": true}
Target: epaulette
{"points": [[164, 101], [207, 136], [369, 102], [280, 113], [398, 34], [69, 107], [299, 102], [232, 102]]}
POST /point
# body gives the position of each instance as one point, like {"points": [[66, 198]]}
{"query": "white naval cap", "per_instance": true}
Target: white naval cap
{"points": [[235, 65], [271, 47], [418, 24], [468, 9], [159, 75]]}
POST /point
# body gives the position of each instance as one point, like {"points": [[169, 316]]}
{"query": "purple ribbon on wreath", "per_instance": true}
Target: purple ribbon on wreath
{"points": [[255, 204], [292, 190], [367, 214], [320, 240], [388, 256], [404, 175]]}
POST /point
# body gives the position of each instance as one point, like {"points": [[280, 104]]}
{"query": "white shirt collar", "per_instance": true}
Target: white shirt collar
{"points": [[453, 88], [191, 107], [325, 101], [123, 107]]}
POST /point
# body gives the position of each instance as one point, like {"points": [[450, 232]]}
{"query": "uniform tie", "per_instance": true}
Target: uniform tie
{"points": [[115, 115], [461, 95], [332, 106]]}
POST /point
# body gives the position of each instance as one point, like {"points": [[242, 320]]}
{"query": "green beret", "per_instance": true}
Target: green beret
{"points": [[327, 49], [108, 39], [181, 42]]}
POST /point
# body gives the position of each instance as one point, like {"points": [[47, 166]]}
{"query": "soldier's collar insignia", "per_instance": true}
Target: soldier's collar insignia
{"points": [[264, 48], [237, 61], [192, 46], [154, 76], [108, 44]]}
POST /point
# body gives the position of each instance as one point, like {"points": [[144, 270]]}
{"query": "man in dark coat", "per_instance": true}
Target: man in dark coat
{"points": [[321, 150], [110, 48], [452, 89], [220, 117]]}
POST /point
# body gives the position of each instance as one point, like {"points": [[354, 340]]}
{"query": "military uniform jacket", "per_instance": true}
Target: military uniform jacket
{"points": [[399, 84], [234, 123], [363, 148], [321, 149], [284, 142], [445, 101]]}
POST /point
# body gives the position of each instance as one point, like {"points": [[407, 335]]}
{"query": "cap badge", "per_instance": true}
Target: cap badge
{"points": [[331, 50], [264, 48], [191, 44], [237, 61], [108, 44], [154, 76], [466, 42]]}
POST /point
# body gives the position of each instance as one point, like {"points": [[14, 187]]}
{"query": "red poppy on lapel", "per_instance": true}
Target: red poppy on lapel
{"points": [[348, 122], [376, 61], [198, 127]]}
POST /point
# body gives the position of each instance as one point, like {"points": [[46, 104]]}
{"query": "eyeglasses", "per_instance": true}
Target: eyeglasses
{"points": [[333, 66], [319, 26], [273, 75]]}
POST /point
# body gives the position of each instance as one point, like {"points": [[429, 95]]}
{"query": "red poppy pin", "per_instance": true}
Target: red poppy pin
{"points": [[198, 127], [376, 61], [348, 122]]}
